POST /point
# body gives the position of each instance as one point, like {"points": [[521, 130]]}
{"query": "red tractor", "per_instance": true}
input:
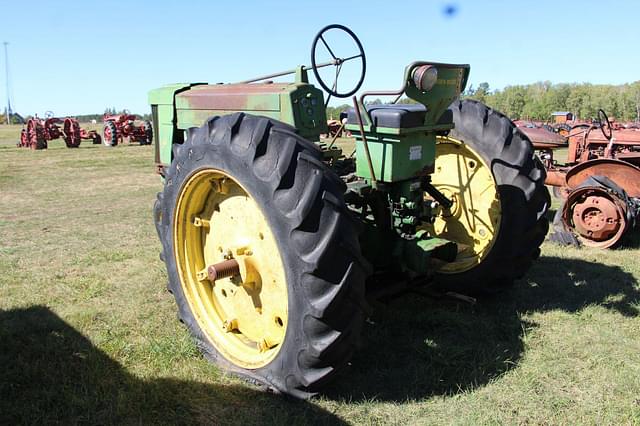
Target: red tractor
{"points": [[600, 182], [117, 127], [40, 131]]}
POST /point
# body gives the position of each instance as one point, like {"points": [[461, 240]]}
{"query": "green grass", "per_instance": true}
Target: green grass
{"points": [[88, 333]]}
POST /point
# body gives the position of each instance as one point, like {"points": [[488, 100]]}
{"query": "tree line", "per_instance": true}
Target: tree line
{"points": [[538, 100]]}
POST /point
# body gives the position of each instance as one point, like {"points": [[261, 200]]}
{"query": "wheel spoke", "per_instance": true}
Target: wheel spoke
{"points": [[328, 48], [352, 57]]}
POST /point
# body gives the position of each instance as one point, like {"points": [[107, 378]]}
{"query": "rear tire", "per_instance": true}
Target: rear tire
{"points": [[302, 202], [523, 198], [110, 133]]}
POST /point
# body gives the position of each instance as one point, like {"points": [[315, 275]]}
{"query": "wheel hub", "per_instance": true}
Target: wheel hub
{"points": [[596, 217], [474, 218], [230, 269]]}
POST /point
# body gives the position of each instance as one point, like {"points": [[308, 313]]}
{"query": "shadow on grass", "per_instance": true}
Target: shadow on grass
{"points": [[419, 347], [50, 373]]}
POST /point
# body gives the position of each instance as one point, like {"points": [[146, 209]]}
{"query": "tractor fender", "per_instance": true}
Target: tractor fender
{"points": [[623, 174]]}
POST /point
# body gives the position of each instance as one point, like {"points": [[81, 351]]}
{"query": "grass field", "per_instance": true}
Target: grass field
{"points": [[88, 333]]}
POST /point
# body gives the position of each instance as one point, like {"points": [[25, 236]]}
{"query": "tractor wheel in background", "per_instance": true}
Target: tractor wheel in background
{"points": [[488, 168], [96, 139], [110, 134], [35, 135], [262, 255], [71, 133], [148, 132], [24, 139]]}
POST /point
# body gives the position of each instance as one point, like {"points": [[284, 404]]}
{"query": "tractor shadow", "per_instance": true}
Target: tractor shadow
{"points": [[52, 374], [418, 347]]}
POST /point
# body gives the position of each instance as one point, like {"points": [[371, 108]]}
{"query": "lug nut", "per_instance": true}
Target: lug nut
{"points": [[264, 345], [230, 325]]}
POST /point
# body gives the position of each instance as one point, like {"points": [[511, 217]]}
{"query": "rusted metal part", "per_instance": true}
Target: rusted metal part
{"points": [[335, 129], [160, 169], [598, 151], [597, 216], [225, 269], [586, 143], [541, 137], [556, 177], [625, 175], [233, 97]]}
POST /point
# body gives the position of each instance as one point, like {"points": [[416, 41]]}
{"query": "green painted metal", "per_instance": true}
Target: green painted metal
{"points": [[402, 158], [298, 104], [182, 106], [452, 79], [395, 157], [162, 101], [402, 153]]}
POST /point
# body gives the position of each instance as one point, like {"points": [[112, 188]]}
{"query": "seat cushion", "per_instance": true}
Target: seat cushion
{"points": [[395, 116]]}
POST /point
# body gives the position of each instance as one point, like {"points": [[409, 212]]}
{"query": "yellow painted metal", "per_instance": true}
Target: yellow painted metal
{"points": [[244, 317], [474, 219]]}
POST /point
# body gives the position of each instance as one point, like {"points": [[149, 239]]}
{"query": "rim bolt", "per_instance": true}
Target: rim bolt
{"points": [[230, 325], [264, 345]]}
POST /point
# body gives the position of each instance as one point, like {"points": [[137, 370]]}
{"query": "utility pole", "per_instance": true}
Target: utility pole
{"points": [[6, 68]]}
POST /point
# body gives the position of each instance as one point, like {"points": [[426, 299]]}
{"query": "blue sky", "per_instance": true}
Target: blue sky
{"points": [[78, 57]]}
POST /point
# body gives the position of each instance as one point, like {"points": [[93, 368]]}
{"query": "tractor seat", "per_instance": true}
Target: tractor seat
{"points": [[395, 116]]}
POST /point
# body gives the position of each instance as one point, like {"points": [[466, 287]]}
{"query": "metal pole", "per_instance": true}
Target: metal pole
{"points": [[6, 67]]}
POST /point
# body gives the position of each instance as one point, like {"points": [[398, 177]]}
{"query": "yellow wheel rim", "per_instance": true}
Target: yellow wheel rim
{"points": [[474, 219], [244, 316]]}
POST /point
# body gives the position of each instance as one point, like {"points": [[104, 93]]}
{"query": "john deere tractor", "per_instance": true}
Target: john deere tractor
{"points": [[271, 238]]}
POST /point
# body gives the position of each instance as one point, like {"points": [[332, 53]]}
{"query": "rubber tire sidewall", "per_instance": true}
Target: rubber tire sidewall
{"points": [[283, 373], [524, 199]]}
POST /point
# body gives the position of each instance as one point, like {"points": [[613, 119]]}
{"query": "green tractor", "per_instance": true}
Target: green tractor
{"points": [[272, 239]]}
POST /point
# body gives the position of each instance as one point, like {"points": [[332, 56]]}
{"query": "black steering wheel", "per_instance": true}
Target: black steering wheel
{"points": [[337, 61], [605, 124]]}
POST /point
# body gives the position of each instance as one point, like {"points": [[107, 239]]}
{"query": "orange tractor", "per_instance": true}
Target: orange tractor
{"points": [[599, 182]]}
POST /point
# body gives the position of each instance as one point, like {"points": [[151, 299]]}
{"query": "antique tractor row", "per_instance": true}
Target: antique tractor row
{"points": [[38, 132], [599, 183], [118, 127], [273, 241]]}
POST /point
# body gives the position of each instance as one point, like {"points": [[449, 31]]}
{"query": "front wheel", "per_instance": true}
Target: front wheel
{"points": [[262, 254], [488, 168]]}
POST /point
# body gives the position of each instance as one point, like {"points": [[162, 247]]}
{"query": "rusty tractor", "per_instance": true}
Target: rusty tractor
{"points": [[275, 244], [38, 132], [599, 182], [118, 127]]}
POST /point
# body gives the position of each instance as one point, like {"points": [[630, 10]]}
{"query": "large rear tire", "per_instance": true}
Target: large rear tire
{"points": [[500, 200], [252, 179]]}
